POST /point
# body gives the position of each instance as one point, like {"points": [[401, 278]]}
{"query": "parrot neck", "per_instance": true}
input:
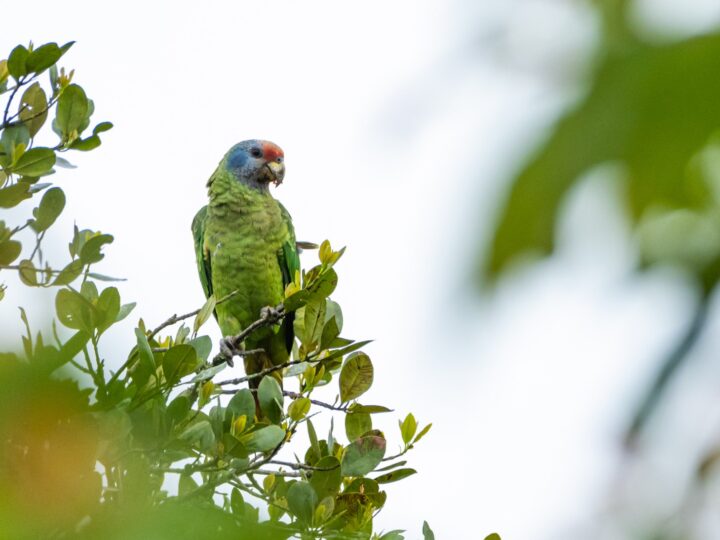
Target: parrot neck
{"points": [[224, 189]]}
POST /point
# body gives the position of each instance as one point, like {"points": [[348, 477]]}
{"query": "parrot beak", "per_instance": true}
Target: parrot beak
{"points": [[277, 172]]}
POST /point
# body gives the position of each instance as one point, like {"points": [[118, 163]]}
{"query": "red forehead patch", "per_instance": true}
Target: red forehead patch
{"points": [[272, 151]]}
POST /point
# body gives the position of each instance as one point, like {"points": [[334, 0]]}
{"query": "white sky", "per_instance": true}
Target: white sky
{"points": [[398, 121]]}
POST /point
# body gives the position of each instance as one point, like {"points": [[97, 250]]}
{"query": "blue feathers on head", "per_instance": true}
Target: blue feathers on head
{"points": [[256, 163]]}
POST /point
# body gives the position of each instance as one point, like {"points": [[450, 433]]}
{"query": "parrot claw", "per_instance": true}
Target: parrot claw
{"points": [[228, 350], [271, 314]]}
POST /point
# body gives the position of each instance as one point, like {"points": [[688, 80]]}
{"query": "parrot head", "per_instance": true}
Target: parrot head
{"points": [[256, 163]]}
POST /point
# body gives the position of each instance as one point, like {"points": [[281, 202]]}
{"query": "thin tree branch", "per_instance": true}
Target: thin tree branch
{"points": [[667, 371], [295, 395], [177, 318]]}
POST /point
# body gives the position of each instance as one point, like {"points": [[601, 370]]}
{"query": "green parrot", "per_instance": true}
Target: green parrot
{"points": [[245, 242]]}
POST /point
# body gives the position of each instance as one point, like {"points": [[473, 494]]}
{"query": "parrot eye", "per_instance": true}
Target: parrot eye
{"points": [[256, 152]]}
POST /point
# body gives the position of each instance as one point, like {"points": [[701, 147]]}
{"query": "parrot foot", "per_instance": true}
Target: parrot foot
{"points": [[271, 314], [229, 351]]}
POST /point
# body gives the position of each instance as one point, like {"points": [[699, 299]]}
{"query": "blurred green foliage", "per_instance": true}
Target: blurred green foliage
{"points": [[160, 448], [651, 111]]}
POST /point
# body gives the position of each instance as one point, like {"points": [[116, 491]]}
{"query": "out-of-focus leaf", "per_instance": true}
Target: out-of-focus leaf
{"points": [[42, 58], [90, 252], [9, 251], [651, 110], [13, 195], [33, 108], [72, 109], [35, 162], [16, 62], [428, 534], [69, 274], [51, 206], [28, 273]]}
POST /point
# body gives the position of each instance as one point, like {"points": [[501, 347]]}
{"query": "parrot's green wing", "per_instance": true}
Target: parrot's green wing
{"points": [[289, 261], [201, 254]]}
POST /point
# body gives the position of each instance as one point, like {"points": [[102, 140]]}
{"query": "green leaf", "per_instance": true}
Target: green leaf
{"points": [[203, 346], [12, 140], [33, 108], [9, 251], [16, 62], [35, 162], [369, 409], [73, 346], [356, 376], [326, 481], [639, 112], [264, 439], [145, 354], [302, 500], [345, 350], [90, 251], [13, 195], [102, 127], [74, 311], [363, 455], [72, 110], [394, 476], [69, 274], [43, 57], [179, 361], [357, 424], [186, 485], [422, 433], [427, 532], [408, 427], [324, 285], [312, 435], [87, 144], [314, 320], [271, 399], [51, 206], [124, 311], [393, 535], [205, 312], [241, 404], [28, 273], [299, 408], [103, 277], [208, 373], [107, 309], [200, 434]]}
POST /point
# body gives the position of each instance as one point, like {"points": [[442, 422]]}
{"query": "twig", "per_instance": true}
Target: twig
{"points": [[177, 318], [279, 473], [261, 373], [295, 395], [301, 466], [17, 87]]}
